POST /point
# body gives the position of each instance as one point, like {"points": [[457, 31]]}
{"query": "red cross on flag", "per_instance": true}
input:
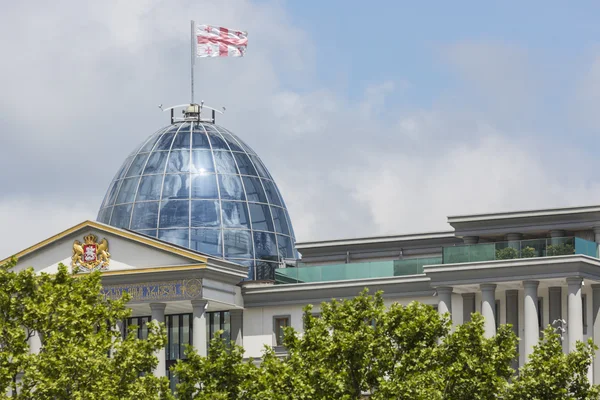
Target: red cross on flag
{"points": [[214, 41]]}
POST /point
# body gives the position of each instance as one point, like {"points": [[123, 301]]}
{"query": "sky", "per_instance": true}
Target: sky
{"points": [[374, 118]]}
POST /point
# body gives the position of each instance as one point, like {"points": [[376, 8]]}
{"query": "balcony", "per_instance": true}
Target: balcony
{"points": [[342, 272], [519, 249]]}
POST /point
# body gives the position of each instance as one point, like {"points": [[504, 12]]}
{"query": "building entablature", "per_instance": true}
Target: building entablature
{"points": [[464, 275], [151, 271], [379, 247], [535, 223], [317, 292]]}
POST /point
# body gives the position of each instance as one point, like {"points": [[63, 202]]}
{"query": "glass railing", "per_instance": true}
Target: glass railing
{"points": [[519, 249], [364, 270]]}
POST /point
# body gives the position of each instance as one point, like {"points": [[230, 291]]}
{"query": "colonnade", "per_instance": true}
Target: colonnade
{"points": [[530, 331], [199, 338]]}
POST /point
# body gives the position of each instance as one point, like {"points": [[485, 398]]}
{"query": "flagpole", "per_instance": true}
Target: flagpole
{"points": [[193, 57]]}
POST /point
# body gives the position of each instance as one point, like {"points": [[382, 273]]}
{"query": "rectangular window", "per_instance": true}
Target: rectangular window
{"points": [[497, 313], [139, 325], [540, 310], [218, 321], [179, 333], [315, 315], [584, 311], [279, 323]]}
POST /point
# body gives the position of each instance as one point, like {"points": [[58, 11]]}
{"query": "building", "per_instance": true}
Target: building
{"points": [[195, 229]]}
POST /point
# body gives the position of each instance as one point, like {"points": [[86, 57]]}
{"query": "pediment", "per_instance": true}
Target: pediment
{"points": [[128, 250]]}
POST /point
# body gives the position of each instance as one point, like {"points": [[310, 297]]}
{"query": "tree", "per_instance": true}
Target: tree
{"points": [[221, 375], [359, 346], [82, 355], [552, 374]]}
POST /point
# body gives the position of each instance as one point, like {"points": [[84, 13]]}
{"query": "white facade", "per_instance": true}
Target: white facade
{"points": [[529, 269]]}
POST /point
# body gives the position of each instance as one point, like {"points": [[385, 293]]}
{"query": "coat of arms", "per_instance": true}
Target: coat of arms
{"points": [[90, 255]]}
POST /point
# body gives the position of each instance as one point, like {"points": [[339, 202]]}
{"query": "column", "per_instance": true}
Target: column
{"points": [[471, 239], [444, 300], [488, 308], [199, 326], [35, 343], [574, 312], [531, 332], [513, 237], [596, 330], [118, 328], [597, 236], [158, 315], [237, 317], [468, 306]]}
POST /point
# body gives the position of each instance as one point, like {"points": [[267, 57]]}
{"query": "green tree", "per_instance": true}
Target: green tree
{"points": [[359, 346], [552, 374], [221, 375], [82, 355]]}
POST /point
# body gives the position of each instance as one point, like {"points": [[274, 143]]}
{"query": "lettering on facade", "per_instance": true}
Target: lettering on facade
{"points": [[172, 290]]}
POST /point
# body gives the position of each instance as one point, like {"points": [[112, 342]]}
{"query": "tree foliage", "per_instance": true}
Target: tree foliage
{"points": [[353, 348], [359, 347], [82, 354]]}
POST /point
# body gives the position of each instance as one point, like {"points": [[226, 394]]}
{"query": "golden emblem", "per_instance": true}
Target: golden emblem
{"points": [[90, 255]]}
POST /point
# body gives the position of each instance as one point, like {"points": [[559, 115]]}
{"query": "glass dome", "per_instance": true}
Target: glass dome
{"points": [[197, 185]]}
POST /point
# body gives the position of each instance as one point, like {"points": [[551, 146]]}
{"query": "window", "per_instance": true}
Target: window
{"points": [[497, 313], [139, 324], [179, 334], [218, 321], [540, 310], [315, 315], [280, 322], [584, 312]]}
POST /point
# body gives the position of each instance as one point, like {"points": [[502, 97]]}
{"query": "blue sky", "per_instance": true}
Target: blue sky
{"points": [[375, 118], [400, 41], [403, 39]]}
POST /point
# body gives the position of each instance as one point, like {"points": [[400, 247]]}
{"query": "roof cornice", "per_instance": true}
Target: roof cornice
{"points": [[376, 239], [155, 243]]}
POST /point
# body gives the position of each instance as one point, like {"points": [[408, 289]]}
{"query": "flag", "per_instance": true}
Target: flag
{"points": [[214, 41]]}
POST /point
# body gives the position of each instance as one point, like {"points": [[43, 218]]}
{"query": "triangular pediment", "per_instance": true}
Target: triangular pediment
{"points": [[128, 250]]}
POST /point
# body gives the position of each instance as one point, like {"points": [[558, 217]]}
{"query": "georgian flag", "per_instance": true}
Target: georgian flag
{"points": [[214, 41]]}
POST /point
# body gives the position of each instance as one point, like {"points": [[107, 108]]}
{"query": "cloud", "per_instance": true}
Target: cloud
{"points": [[29, 220], [498, 76], [81, 90]]}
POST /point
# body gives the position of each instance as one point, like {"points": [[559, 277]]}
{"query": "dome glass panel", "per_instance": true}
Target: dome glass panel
{"points": [[199, 186]]}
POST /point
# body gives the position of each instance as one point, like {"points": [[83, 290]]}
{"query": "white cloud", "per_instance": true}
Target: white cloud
{"points": [[82, 88], [29, 220]]}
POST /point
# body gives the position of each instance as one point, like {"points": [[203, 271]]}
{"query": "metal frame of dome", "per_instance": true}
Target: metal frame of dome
{"points": [[271, 203]]}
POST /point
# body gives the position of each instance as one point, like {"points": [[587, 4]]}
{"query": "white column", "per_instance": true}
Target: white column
{"points": [[444, 300], [471, 239], [35, 343], [158, 315], [575, 312], [596, 330], [199, 326], [488, 308], [117, 328], [530, 317], [237, 317]]}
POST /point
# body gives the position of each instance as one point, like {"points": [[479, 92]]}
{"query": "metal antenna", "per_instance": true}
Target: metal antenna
{"points": [[193, 57]]}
